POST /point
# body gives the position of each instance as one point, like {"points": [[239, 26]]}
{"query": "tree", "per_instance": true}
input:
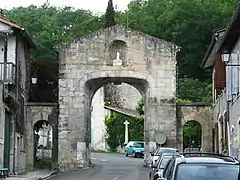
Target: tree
{"points": [[193, 90], [192, 29], [49, 26], [192, 131], [115, 129], [110, 15], [140, 107]]}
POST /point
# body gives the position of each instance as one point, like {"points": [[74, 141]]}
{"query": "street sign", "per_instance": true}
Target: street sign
{"points": [[160, 138]]}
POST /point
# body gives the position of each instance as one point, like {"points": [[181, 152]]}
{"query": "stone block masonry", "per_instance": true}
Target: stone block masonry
{"points": [[90, 63]]}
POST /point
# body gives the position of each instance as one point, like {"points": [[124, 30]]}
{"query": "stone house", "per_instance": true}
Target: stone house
{"points": [[223, 58], [14, 55]]}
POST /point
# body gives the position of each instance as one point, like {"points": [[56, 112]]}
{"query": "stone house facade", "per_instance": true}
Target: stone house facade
{"points": [[14, 55], [223, 58]]}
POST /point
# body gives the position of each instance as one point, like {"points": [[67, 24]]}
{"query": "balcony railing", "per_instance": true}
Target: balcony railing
{"points": [[7, 72]]}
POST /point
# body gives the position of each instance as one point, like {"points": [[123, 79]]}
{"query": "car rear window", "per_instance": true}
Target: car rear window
{"points": [[138, 145], [207, 172], [163, 162]]}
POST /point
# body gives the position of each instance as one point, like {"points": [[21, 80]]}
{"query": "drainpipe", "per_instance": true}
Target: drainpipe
{"points": [[228, 127], [5, 57]]}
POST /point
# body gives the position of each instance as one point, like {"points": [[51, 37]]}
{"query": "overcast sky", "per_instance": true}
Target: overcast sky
{"points": [[94, 5]]}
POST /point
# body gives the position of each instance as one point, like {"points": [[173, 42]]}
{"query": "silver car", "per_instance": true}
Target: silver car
{"points": [[160, 151]]}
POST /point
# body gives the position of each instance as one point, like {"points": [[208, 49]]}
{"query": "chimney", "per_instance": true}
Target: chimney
{"points": [[1, 13]]}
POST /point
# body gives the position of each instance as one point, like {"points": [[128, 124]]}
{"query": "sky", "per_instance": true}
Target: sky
{"points": [[96, 6]]}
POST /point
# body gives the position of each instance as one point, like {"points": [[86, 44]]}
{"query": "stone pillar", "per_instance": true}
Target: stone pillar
{"points": [[55, 146], [160, 117], [29, 145], [72, 128]]}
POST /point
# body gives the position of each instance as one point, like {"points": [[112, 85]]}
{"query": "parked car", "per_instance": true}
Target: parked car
{"points": [[156, 170], [162, 150], [203, 166], [192, 150], [135, 148]]}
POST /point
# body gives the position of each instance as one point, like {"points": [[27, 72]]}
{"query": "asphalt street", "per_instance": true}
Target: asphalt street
{"points": [[109, 167]]}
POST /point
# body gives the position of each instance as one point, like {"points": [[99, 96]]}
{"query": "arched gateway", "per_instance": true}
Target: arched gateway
{"points": [[120, 55]]}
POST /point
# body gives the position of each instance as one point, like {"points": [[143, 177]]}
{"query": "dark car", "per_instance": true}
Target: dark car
{"points": [[157, 168], [203, 166]]}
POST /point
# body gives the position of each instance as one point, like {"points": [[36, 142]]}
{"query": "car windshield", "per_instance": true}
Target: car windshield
{"points": [[163, 163], [138, 145], [207, 172]]}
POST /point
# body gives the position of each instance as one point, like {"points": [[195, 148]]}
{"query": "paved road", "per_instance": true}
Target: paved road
{"points": [[109, 167]]}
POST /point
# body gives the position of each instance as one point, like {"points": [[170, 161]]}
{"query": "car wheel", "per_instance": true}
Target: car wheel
{"points": [[126, 154], [134, 154]]}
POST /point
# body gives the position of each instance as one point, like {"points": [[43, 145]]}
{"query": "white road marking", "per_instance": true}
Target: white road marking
{"points": [[115, 178], [50, 177], [99, 159]]}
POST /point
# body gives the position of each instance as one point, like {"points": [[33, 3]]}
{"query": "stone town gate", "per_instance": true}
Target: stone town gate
{"points": [[37, 112], [201, 113], [120, 55]]}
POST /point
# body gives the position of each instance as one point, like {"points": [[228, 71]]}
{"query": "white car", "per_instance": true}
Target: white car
{"points": [[162, 150]]}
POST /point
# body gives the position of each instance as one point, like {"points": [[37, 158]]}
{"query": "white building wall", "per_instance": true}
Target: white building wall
{"points": [[11, 45], [97, 121], [19, 147]]}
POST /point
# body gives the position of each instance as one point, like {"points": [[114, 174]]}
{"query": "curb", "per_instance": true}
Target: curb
{"points": [[48, 176]]}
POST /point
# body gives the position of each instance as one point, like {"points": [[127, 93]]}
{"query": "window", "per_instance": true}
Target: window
{"points": [[233, 76], [162, 164], [229, 83], [169, 167], [207, 171]]}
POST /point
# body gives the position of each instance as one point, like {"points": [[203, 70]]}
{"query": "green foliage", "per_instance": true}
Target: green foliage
{"points": [[193, 90], [192, 131], [110, 15], [116, 129], [187, 23], [183, 101], [49, 26], [140, 107]]}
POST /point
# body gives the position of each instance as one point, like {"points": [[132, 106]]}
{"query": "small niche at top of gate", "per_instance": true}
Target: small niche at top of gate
{"points": [[117, 53]]}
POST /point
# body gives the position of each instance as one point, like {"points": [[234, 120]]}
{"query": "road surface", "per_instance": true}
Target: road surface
{"points": [[109, 167]]}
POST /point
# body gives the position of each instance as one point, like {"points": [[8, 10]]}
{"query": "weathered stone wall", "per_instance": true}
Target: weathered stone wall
{"points": [[127, 96], [149, 64], [37, 112], [203, 114]]}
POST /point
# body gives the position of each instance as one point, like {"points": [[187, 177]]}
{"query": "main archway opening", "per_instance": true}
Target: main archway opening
{"points": [[192, 136], [117, 106], [113, 105]]}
